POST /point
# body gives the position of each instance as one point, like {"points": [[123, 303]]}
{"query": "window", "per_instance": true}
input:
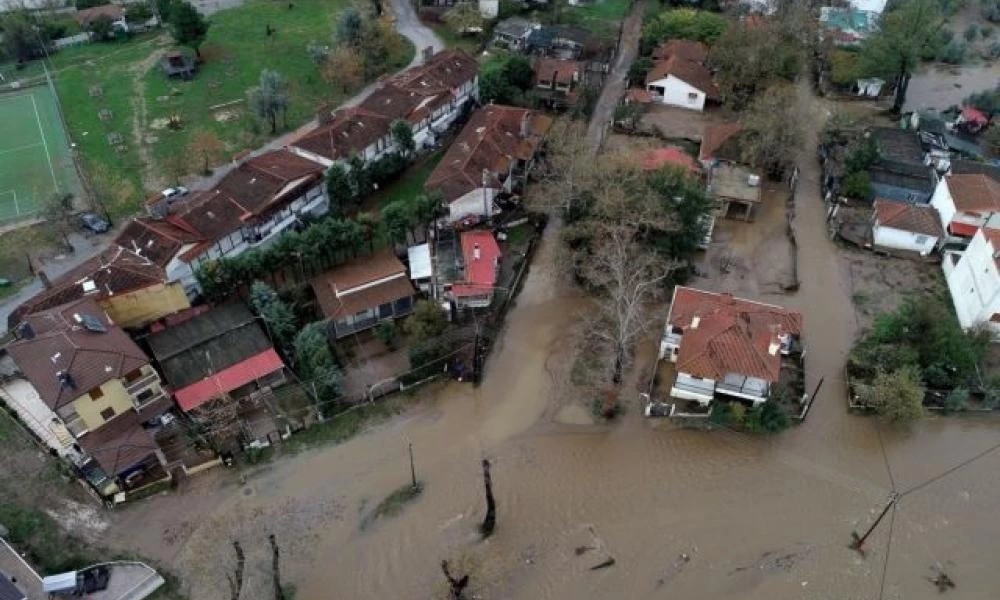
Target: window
{"points": [[920, 240], [96, 393], [107, 413], [692, 97], [133, 375]]}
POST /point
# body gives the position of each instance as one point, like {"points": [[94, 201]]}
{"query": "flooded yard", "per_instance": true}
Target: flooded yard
{"points": [[684, 514], [939, 86]]}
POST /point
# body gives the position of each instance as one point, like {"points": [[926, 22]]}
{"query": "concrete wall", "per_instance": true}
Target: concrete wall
{"points": [[974, 283], [678, 93], [113, 396], [890, 237]]}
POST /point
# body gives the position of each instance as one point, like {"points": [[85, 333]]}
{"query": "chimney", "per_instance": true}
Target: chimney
{"points": [[475, 252], [773, 347], [695, 321]]}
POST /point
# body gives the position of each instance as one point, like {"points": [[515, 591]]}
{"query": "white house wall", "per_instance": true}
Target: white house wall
{"points": [[890, 237], [22, 397], [473, 203], [974, 283], [943, 202], [677, 93]]}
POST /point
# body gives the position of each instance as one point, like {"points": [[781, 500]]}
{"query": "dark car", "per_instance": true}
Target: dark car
{"points": [[94, 223]]}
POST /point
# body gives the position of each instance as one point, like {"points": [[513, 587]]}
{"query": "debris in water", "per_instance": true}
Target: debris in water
{"points": [[604, 565], [582, 549], [942, 580]]}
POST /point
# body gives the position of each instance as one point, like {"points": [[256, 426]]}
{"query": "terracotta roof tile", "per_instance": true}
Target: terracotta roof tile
{"points": [[159, 240], [974, 192], [922, 219], [688, 71], [732, 335], [686, 49], [334, 288], [563, 72], [119, 444]]}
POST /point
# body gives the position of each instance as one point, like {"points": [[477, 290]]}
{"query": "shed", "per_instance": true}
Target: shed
{"points": [[735, 185], [421, 269], [178, 64]]}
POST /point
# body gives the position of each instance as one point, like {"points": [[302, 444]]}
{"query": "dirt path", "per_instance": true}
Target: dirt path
{"points": [[614, 87], [151, 178]]}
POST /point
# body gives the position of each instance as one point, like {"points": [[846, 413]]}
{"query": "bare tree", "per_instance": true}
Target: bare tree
{"points": [[205, 148], [236, 579], [457, 586], [490, 521], [568, 167], [279, 593]]}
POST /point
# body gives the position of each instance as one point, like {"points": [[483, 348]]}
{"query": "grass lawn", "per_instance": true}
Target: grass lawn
{"points": [[452, 39], [141, 98], [602, 18], [410, 184]]}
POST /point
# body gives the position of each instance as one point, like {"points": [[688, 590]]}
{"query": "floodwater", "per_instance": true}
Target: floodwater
{"points": [[684, 514], [940, 86]]}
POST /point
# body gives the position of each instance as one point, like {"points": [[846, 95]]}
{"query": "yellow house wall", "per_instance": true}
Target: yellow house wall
{"points": [[114, 396], [144, 306]]}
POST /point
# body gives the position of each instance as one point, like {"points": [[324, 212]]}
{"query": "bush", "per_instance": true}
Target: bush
{"points": [[857, 185], [639, 69], [957, 400], [971, 32], [684, 23], [953, 53], [898, 396], [386, 333], [427, 358]]}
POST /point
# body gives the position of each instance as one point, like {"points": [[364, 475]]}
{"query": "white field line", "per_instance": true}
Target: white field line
{"points": [[41, 132], [17, 209], [19, 148]]}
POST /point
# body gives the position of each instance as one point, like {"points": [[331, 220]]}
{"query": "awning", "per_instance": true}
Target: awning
{"points": [[962, 229], [420, 261], [228, 379]]}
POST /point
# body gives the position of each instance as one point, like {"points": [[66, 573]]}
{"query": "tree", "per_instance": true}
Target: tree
{"points": [[163, 9], [748, 60], [845, 67], [138, 12], [427, 321], [905, 34], [349, 28], [381, 47], [957, 400], [772, 134], [386, 333], [315, 361], [206, 148], [344, 66], [464, 18], [338, 189], [504, 79], [270, 99], [639, 69], [187, 26], [490, 520], [898, 396], [396, 217], [857, 185], [20, 40], [101, 27], [402, 134], [685, 23], [278, 317], [56, 209]]}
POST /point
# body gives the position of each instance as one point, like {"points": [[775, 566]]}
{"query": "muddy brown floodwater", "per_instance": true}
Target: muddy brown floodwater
{"points": [[685, 514]]}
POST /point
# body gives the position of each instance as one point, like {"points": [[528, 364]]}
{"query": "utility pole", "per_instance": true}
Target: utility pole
{"points": [[413, 471], [859, 541]]}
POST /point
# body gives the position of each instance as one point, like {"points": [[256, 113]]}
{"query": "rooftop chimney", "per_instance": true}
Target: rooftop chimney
{"points": [[475, 252], [695, 321], [773, 347]]}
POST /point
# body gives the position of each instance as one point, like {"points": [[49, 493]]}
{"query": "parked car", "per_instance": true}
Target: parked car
{"points": [[94, 223], [175, 193]]}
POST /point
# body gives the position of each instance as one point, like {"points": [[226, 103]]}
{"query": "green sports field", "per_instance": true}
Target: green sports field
{"points": [[35, 158]]}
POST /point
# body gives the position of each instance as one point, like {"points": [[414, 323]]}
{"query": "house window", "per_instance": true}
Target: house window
{"points": [[107, 413], [692, 97], [921, 240], [96, 393], [133, 375]]}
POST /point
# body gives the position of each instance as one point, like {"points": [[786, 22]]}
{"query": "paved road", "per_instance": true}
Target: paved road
{"points": [[408, 25], [628, 49]]}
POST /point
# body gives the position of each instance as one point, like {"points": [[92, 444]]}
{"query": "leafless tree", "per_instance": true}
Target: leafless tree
{"points": [[457, 586], [236, 579], [221, 422], [279, 593], [490, 521], [567, 170]]}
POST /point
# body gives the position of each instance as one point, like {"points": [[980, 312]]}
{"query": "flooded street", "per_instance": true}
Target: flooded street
{"points": [[939, 86], [685, 514]]}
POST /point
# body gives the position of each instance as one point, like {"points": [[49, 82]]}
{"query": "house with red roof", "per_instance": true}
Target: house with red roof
{"points": [[723, 346], [679, 76], [972, 120], [965, 203], [973, 278], [480, 266], [905, 226]]}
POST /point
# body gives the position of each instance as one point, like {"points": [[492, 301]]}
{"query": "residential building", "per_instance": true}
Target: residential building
{"points": [[973, 278], [558, 82], [965, 203], [492, 155], [902, 171], [358, 295], [735, 187], [477, 278], [727, 346], [719, 142], [220, 353], [85, 389], [905, 226], [114, 13], [566, 42], [679, 76], [133, 290], [512, 33], [421, 267], [163, 241], [429, 96], [848, 26]]}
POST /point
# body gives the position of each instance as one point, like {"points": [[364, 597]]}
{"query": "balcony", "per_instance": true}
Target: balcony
{"points": [[138, 385]]}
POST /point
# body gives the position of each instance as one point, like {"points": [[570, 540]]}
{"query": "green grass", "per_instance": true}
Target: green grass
{"points": [[393, 504], [235, 52], [343, 427], [453, 39], [15, 245], [602, 18], [519, 236], [35, 159], [410, 184]]}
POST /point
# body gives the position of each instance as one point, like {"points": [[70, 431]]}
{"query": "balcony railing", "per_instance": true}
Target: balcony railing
{"points": [[135, 387]]}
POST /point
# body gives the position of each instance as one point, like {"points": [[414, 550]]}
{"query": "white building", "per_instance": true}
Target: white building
{"points": [[973, 279], [966, 203], [677, 81], [904, 226]]}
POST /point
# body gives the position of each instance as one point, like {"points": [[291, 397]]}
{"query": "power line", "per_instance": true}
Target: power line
{"points": [[950, 470], [885, 457]]}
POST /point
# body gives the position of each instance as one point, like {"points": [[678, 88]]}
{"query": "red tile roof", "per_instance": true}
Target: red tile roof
{"points": [[264, 181], [669, 155], [159, 240], [61, 344], [974, 192], [732, 335], [349, 132], [481, 272], [563, 72], [492, 139], [974, 115], [962, 229], [713, 138], [922, 219], [686, 49], [364, 283], [688, 71], [119, 444], [228, 379], [88, 15]]}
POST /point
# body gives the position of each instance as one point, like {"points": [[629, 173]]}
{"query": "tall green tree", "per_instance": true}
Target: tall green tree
{"points": [[402, 134], [316, 363], [270, 99], [907, 33], [684, 23], [20, 40], [349, 28], [772, 135], [427, 321], [338, 189], [277, 315], [187, 26]]}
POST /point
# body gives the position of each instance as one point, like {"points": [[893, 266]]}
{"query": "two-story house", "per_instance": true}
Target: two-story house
{"points": [[966, 203], [558, 82], [492, 155], [973, 278], [478, 274], [85, 389], [132, 289], [727, 346]]}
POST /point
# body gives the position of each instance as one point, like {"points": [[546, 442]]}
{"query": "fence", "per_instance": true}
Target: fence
{"points": [[73, 40]]}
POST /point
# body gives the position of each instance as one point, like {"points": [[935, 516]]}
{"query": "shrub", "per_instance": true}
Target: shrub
{"points": [[898, 396], [957, 400], [953, 53], [386, 333], [971, 32], [737, 413], [857, 185]]}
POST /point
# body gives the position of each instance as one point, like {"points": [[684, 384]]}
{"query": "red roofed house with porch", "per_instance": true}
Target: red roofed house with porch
{"points": [[481, 260], [973, 278], [722, 345], [966, 203]]}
